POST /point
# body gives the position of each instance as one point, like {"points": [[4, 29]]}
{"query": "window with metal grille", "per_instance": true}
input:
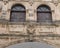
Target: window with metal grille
{"points": [[18, 13], [44, 14]]}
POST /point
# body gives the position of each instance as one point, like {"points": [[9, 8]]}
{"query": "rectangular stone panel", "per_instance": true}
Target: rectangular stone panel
{"points": [[3, 29], [15, 28], [45, 29]]}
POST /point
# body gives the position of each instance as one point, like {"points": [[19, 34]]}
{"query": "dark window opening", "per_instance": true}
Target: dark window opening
{"points": [[44, 14], [18, 13]]}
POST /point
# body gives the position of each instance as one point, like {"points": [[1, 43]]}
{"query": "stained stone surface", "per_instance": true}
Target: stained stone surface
{"points": [[13, 33]]}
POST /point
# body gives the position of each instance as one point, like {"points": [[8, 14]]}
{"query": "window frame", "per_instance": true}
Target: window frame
{"points": [[12, 11], [38, 20]]}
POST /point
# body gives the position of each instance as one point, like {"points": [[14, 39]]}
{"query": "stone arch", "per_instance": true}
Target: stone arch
{"points": [[12, 4], [44, 14], [18, 13], [14, 42], [51, 5], [17, 42]]}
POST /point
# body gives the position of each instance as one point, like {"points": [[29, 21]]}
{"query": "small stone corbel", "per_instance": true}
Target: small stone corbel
{"points": [[5, 2], [56, 2], [31, 2]]}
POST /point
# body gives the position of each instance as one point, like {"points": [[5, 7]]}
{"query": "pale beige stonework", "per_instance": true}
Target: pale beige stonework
{"points": [[12, 33]]}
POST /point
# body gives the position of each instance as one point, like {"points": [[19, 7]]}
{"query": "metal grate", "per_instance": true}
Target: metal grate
{"points": [[18, 14], [44, 14]]}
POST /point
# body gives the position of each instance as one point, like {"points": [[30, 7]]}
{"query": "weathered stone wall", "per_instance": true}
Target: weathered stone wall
{"points": [[12, 33]]}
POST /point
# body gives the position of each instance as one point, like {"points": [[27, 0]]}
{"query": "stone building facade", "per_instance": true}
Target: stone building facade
{"points": [[29, 21]]}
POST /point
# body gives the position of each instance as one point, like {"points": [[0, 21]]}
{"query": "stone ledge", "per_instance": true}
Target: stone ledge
{"points": [[22, 35]]}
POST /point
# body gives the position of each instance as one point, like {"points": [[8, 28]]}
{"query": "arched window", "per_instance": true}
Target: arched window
{"points": [[44, 14], [18, 13]]}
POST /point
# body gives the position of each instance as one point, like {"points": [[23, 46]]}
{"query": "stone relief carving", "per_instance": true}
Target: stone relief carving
{"points": [[31, 2], [30, 29], [3, 12], [30, 32], [30, 12], [5, 2], [3, 15], [56, 2]]}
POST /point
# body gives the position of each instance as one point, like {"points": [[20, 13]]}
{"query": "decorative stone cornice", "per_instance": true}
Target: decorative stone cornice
{"points": [[56, 2], [30, 0]]}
